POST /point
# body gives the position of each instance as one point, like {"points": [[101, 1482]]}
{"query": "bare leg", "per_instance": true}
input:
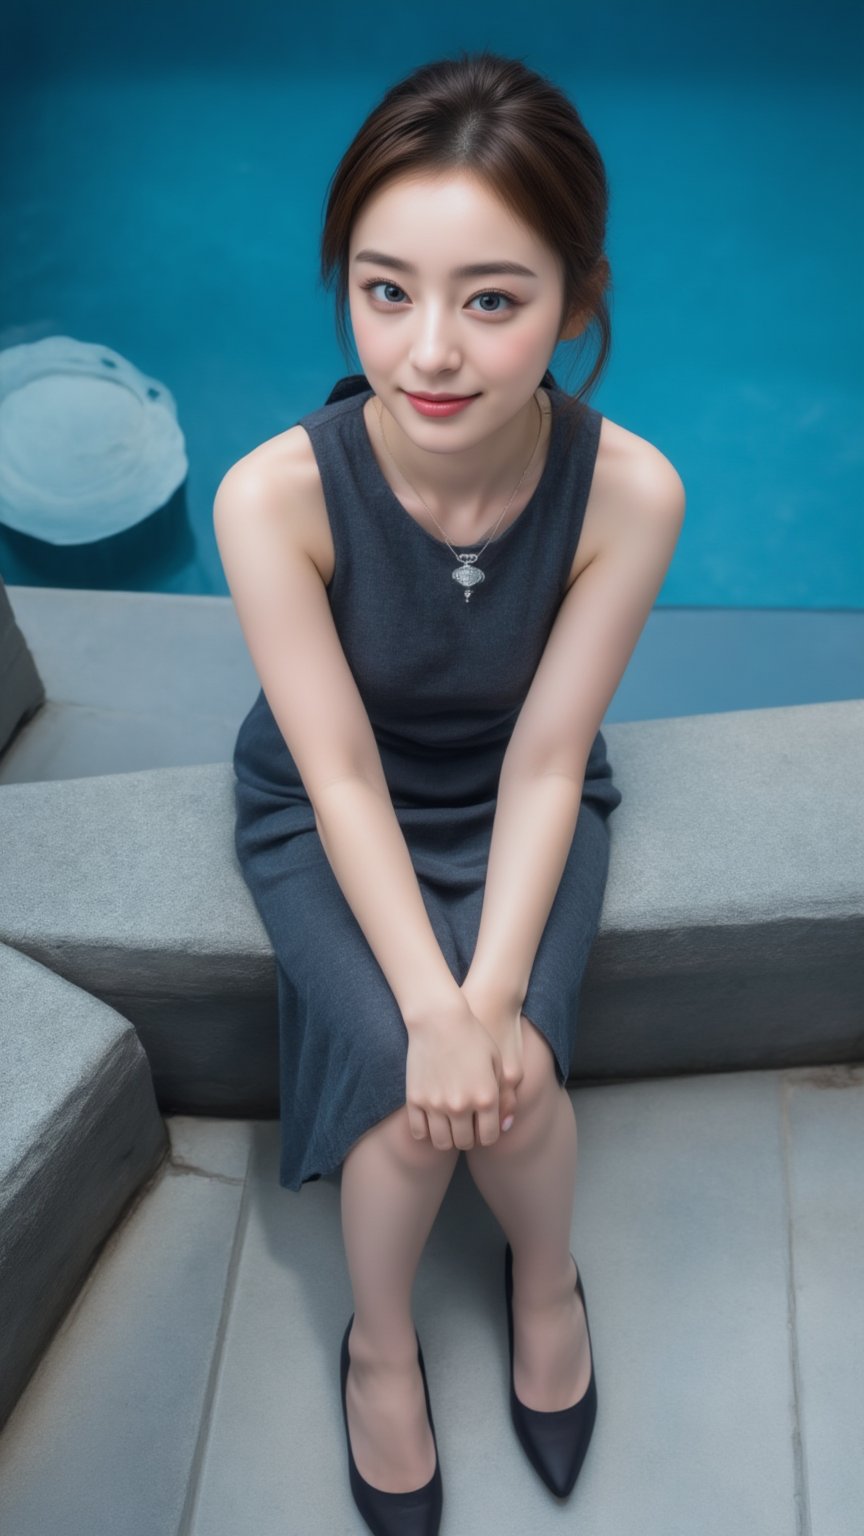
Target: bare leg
{"points": [[392, 1189], [528, 1180]]}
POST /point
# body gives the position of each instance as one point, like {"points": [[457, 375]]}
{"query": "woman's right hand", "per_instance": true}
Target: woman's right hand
{"points": [[452, 1075]]}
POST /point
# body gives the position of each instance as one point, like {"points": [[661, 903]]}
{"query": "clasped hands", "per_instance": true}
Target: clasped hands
{"points": [[503, 1021], [430, 1063]]}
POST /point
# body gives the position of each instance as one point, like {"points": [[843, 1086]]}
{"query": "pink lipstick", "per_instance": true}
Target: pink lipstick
{"points": [[439, 407]]}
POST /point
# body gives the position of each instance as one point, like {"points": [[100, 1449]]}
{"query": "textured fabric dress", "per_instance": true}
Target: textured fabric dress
{"points": [[442, 681]]}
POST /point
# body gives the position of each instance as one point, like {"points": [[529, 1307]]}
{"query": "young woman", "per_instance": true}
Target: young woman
{"points": [[440, 600]]}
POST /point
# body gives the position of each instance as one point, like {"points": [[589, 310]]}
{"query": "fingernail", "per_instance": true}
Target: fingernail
{"points": [[507, 1123]]}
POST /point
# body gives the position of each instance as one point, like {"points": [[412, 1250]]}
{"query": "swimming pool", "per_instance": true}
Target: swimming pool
{"points": [[164, 197]]}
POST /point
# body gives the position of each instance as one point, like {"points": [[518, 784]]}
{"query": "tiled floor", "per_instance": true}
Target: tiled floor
{"points": [[194, 1389]]}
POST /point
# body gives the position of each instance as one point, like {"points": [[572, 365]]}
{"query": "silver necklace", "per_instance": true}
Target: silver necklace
{"points": [[467, 573]]}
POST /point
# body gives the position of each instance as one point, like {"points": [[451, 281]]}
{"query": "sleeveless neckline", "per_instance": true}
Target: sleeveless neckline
{"points": [[395, 504]]}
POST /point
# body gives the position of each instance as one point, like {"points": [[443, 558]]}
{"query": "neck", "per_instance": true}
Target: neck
{"points": [[458, 486]]}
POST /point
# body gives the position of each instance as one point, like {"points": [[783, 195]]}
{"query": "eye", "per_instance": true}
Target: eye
{"points": [[382, 282], [496, 293]]}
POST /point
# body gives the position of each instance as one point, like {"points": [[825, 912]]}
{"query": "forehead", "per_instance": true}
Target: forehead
{"points": [[448, 214]]}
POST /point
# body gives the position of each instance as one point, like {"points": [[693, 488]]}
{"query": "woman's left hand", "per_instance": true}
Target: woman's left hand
{"points": [[503, 1021]]}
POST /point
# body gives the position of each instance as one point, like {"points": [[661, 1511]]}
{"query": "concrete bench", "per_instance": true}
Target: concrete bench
{"points": [[80, 1133], [732, 933]]}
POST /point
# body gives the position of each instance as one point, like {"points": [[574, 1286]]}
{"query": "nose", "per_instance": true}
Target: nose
{"points": [[434, 346]]}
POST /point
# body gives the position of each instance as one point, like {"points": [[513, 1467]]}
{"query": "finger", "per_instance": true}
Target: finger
{"points": [[512, 1074], [417, 1122], [488, 1125], [439, 1130], [508, 1114], [462, 1128], [509, 1102]]}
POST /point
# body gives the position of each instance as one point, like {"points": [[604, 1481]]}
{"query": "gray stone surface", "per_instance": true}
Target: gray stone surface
{"points": [[180, 655], [824, 1132], [162, 926], [717, 1221], [22, 690], [144, 679], [66, 741], [106, 1437], [80, 1133], [134, 680], [732, 933], [218, 1147]]}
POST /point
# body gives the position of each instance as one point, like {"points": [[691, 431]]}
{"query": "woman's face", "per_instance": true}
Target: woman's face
{"points": [[422, 327]]}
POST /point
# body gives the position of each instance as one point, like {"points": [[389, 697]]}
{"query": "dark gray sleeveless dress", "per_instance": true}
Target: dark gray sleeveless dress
{"points": [[443, 681]]}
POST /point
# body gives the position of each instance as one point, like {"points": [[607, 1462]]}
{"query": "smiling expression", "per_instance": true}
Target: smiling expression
{"points": [[423, 324]]}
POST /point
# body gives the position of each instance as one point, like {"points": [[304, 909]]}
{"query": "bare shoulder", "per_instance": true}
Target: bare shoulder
{"points": [[632, 480], [282, 474]]}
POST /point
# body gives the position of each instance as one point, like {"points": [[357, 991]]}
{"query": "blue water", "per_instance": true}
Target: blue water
{"points": [[163, 183]]}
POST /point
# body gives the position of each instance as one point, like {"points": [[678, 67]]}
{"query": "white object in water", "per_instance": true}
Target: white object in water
{"points": [[88, 444]]}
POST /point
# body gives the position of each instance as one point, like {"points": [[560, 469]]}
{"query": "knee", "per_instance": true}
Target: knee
{"points": [[538, 1061], [416, 1152], [539, 1090], [537, 1095]]}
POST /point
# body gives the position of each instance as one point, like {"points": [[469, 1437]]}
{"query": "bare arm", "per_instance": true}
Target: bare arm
{"points": [[370, 859], [282, 606], [542, 776]]}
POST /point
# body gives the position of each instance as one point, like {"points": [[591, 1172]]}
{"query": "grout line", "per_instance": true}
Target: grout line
{"points": [[803, 1524], [178, 1166], [193, 1485]]}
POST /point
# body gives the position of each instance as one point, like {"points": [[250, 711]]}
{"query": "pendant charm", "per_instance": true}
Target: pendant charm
{"points": [[466, 574]]}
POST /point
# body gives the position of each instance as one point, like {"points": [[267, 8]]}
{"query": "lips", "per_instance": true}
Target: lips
{"points": [[437, 398], [451, 406]]}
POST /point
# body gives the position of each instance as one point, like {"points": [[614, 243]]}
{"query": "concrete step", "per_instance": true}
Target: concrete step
{"points": [[80, 1133]]}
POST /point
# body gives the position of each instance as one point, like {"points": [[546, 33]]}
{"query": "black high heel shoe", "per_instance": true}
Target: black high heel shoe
{"points": [[414, 1513], [555, 1443]]}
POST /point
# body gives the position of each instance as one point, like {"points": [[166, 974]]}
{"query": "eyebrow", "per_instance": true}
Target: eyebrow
{"points": [[473, 269]]}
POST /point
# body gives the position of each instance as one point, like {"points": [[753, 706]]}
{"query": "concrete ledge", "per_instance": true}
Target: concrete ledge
{"points": [[22, 690], [80, 1132], [732, 934], [117, 702], [733, 927]]}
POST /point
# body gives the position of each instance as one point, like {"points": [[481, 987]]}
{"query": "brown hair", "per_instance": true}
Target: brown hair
{"points": [[518, 134]]}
